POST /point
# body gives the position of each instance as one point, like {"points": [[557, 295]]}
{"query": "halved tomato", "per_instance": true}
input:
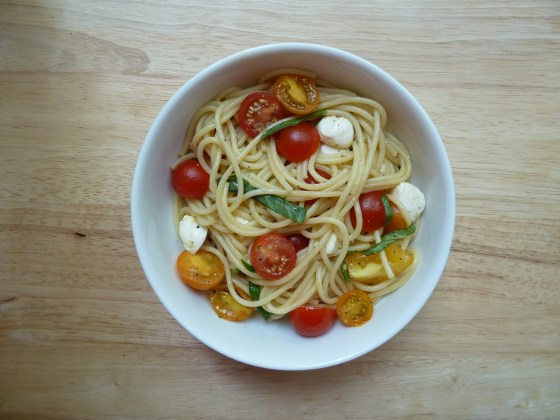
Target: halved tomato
{"points": [[312, 321], [201, 271], [190, 180], [298, 241], [397, 219], [354, 308], [298, 94], [258, 110], [369, 268], [373, 212], [226, 307], [273, 256], [298, 142], [311, 180]]}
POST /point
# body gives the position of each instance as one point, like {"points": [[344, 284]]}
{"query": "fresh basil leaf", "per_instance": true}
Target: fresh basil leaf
{"points": [[278, 127], [273, 202], [283, 207], [388, 239], [255, 293], [264, 313], [388, 212], [248, 266], [233, 185], [344, 271]]}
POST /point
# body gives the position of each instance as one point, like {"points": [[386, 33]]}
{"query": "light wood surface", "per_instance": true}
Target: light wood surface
{"points": [[82, 335]]}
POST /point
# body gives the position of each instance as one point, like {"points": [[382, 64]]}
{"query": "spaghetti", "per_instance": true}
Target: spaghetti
{"points": [[376, 161]]}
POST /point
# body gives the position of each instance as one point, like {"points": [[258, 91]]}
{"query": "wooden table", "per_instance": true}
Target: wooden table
{"points": [[82, 335]]}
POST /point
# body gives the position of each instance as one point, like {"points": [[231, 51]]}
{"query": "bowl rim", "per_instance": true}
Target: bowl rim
{"points": [[273, 48]]}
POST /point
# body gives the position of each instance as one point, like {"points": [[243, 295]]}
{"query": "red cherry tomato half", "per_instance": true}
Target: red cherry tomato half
{"points": [[373, 212], [273, 256], [312, 321], [190, 180], [298, 241], [311, 180], [258, 110], [298, 142]]}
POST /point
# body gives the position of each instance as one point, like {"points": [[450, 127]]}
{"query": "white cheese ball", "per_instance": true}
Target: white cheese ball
{"points": [[411, 198], [192, 234], [336, 132]]}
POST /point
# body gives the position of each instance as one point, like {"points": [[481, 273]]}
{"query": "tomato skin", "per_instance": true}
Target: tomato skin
{"points": [[226, 307], [312, 321], [201, 271], [397, 220], [273, 256], [258, 110], [190, 180], [298, 241], [298, 94], [298, 142], [354, 308], [373, 212], [399, 259], [371, 268], [311, 180]]}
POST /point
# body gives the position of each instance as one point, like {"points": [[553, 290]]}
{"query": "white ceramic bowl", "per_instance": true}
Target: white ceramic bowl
{"points": [[276, 345]]}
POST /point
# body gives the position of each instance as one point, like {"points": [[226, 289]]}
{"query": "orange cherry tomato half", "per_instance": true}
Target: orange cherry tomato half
{"points": [[298, 94], [273, 256], [226, 307], [397, 220], [258, 110], [312, 321], [201, 271], [298, 142], [354, 308], [373, 212], [190, 180], [311, 180]]}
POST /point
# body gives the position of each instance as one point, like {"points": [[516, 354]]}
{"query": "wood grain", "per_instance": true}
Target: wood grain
{"points": [[82, 335]]}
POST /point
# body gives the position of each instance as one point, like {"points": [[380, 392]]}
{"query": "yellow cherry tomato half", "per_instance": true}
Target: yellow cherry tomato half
{"points": [[298, 94], [354, 308], [226, 307], [398, 258], [201, 271], [369, 268]]}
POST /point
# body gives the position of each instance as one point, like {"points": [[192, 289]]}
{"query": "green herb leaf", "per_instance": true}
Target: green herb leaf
{"points": [[283, 207], [388, 212], [248, 266], [255, 293], [344, 271], [388, 239], [273, 202], [278, 127]]}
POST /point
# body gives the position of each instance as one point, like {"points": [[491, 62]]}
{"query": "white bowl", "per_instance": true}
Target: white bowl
{"points": [[276, 345]]}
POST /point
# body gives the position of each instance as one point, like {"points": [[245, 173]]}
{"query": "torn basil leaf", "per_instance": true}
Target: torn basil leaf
{"points": [[273, 202], [255, 293], [281, 126], [389, 238]]}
